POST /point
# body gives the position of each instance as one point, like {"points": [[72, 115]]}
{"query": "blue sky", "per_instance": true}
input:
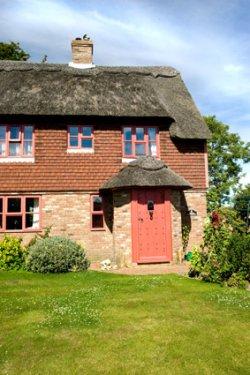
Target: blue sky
{"points": [[208, 41]]}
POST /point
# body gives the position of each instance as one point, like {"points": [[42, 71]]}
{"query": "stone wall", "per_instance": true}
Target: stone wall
{"points": [[194, 211], [176, 225], [122, 228]]}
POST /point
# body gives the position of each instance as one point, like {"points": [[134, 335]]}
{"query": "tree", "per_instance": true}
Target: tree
{"points": [[226, 154], [12, 51], [242, 203]]}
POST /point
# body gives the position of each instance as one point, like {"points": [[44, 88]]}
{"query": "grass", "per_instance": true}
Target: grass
{"points": [[97, 323]]}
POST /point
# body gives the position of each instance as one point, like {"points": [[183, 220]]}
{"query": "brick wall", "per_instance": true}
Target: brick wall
{"points": [[56, 170], [68, 214]]}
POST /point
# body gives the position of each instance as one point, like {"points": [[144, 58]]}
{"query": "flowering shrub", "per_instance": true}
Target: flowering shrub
{"points": [[224, 255], [12, 253], [56, 254]]}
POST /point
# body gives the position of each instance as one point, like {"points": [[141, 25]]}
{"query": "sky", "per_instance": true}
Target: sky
{"points": [[208, 41]]}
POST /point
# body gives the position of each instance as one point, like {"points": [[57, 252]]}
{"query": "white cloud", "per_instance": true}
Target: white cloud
{"points": [[231, 68]]}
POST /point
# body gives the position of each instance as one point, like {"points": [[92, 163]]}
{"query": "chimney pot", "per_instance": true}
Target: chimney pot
{"points": [[82, 53]]}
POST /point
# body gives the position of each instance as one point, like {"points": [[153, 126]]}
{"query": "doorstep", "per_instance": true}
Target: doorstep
{"points": [[146, 269]]}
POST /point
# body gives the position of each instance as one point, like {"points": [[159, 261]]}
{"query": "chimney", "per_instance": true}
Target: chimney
{"points": [[82, 53]]}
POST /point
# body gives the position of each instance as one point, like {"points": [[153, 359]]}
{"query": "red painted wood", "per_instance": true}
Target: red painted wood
{"points": [[151, 236]]}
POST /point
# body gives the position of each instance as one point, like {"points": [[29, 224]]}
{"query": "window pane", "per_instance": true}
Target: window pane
{"points": [[1, 221], [97, 204], [127, 132], [27, 148], [13, 222], [1, 204], [14, 205], [140, 149], [73, 130], [14, 132], [140, 134], [128, 148], [14, 149], [87, 131], [97, 221], [32, 205], [152, 149], [2, 148], [87, 143], [2, 132], [28, 131], [152, 134], [73, 141], [32, 221]]}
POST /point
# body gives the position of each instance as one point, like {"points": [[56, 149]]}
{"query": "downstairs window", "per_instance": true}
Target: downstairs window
{"points": [[19, 213], [97, 219]]}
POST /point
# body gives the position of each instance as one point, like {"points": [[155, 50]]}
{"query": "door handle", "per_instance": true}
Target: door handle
{"points": [[140, 219]]}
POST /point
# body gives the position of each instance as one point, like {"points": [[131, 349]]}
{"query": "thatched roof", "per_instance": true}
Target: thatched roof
{"points": [[56, 89], [146, 171]]}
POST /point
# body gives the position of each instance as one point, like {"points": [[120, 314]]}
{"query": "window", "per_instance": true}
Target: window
{"points": [[97, 221], [16, 141], [80, 137], [139, 141], [19, 213]]}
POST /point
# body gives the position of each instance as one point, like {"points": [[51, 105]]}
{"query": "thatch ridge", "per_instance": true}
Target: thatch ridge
{"points": [[146, 171], [57, 89]]}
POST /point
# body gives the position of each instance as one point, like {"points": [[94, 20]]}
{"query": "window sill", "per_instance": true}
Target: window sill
{"points": [[10, 159], [127, 160], [98, 229], [21, 231], [80, 151]]}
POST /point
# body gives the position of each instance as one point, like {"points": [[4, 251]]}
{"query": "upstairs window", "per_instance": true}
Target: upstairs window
{"points": [[19, 213], [80, 137], [97, 220], [140, 141], [16, 141]]}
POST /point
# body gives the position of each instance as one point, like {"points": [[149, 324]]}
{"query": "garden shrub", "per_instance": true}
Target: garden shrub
{"points": [[38, 236], [224, 256], [12, 253], [56, 254]]}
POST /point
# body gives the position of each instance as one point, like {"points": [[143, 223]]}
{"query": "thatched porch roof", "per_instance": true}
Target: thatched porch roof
{"points": [[146, 171]]}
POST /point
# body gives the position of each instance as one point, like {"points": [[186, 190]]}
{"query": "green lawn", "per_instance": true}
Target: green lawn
{"points": [[97, 323]]}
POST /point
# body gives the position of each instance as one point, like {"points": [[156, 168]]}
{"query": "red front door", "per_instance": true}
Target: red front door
{"points": [[151, 226]]}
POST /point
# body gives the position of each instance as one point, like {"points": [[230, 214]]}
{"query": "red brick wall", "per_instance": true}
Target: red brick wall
{"points": [[55, 170]]}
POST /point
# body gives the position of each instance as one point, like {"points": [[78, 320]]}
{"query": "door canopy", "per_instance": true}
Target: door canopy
{"points": [[146, 171]]}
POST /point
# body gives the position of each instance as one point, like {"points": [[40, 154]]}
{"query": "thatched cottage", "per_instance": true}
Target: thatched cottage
{"points": [[113, 157]]}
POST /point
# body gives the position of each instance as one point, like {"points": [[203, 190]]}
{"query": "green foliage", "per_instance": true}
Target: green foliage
{"points": [[226, 153], [237, 280], [12, 253], [56, 254], [185, 236], [242, 203], [46, 234], [224, 256], [12, 51]]}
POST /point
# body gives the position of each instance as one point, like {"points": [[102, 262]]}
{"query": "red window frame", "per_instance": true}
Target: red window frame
{"points": [[80, 137], [22, 213], [20, 140], [96, 213], [145, 141]]}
